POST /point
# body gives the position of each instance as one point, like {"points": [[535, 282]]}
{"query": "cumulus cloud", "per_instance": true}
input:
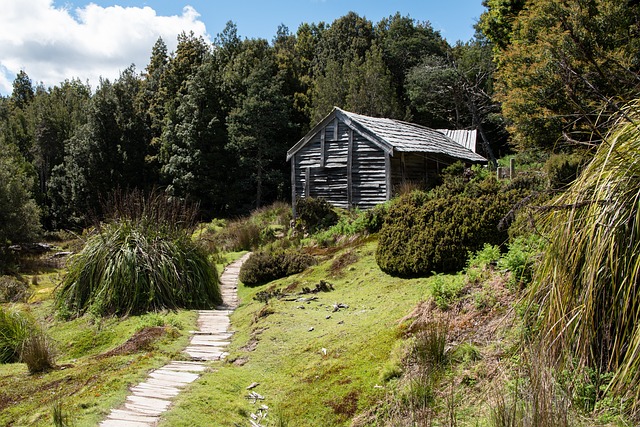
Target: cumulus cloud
{"points": [[52, 44]]}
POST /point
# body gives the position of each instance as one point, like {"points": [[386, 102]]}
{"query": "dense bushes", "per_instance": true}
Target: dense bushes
{"points": [[265, 266], [315, 214], [434, 232], [144, 259], [264, 226]]}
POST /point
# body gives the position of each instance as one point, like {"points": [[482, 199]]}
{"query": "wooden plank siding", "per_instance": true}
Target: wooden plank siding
{"points": [[352, 160], [347, 172]]}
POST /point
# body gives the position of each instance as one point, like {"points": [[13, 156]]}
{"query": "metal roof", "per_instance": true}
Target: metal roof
{"points": [[395, 135], [466, 138]]}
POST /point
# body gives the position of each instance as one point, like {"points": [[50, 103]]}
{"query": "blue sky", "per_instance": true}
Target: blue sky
{"points": [[54, 40], [454, 18]]}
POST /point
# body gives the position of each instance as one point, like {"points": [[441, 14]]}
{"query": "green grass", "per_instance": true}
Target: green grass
{"points": [[87, 386], [299, 381]]}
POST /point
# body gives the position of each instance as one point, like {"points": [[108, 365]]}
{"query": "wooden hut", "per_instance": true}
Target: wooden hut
{"points": [[352, 160]]}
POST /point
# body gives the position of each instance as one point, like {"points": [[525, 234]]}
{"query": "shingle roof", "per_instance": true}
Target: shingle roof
{"points": [[410, 137], [395, 135]]}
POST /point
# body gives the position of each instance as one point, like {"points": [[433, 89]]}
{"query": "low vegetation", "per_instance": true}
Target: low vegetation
{"points": [[143, 259], [434, 232], [324, 336]]}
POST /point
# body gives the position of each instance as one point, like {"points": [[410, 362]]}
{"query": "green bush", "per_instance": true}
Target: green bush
{"points": [[141, 261], [562, 169], [265, 266], [422, 235], [520, 259], [13, 289], [315, 214]]}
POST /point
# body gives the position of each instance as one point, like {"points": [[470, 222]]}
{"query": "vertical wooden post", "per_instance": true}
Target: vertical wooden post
{"points": [[293, 185], [323, 155], [403, 167], [349, 168], [387, 171], [335, 129], [307, 182]]}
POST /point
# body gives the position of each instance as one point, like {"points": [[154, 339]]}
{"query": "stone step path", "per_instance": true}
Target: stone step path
{"points": [[149, 399]]}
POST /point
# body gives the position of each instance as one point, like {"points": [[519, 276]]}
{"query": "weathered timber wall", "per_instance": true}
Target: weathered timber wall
{"points": [[322, 169]]}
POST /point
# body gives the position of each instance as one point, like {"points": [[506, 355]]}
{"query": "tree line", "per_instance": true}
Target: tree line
{"points": [[211, 122]]}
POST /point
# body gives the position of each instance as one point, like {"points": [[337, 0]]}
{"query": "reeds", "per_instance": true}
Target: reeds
{"points": [[142, 259], [587, 286]]}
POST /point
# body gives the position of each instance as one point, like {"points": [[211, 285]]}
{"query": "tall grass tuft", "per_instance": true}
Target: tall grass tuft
{"points": [[22, 340], [14, 329], [141, 259], [36, 352], [588, 285]]}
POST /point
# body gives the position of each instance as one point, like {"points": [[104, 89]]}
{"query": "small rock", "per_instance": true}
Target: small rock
{"points": [[341, 322], [252, 385], [311, 329], [328, 317]]}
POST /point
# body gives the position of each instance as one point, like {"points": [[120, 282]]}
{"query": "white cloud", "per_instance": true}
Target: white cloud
{"points": [[53, 44]]}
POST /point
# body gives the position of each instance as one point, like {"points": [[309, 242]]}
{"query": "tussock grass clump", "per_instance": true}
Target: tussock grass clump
{"points": [[36, 352], [14, 329], [263, 226], [588, 285], [22, 340], [142, 259]]}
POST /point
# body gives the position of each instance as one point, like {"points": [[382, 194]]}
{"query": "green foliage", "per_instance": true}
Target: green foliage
{"points": [[13, 289], [426, 234], [315, 214], [19, 215], [488, 255], [15, 327], [265, 266], [446, 291], [143, 259], [562, 169], [587, 282], [521, 259], [563, 67]]}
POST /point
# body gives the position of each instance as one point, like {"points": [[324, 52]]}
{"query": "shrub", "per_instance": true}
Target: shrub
{"points": [[138, 262], [562, 169], [265, 266], [437, 234], [13, 289], [315, 214], [520, 259]]}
